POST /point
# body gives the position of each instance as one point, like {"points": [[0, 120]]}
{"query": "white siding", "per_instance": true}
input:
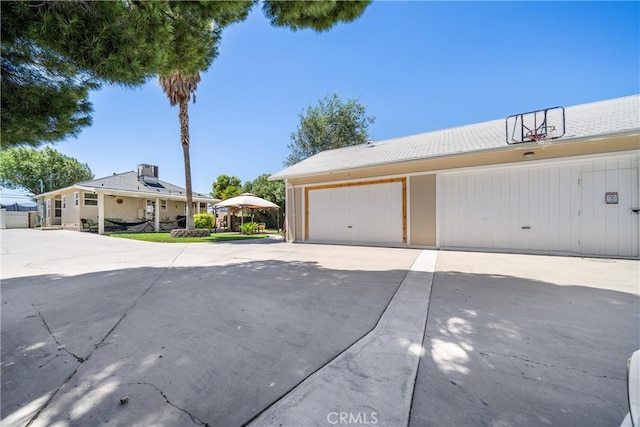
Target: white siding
{"points": [[550, 208], [609, 229], [360, 213]]}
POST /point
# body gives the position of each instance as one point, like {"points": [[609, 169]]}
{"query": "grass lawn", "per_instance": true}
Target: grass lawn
{"points": [[166, 238]]}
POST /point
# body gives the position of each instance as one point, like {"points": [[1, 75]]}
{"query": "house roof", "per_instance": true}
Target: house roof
{"points": [[128, 183], [615, 116]]}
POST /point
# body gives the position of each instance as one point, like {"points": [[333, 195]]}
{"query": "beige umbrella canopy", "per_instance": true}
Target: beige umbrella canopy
{"points": [[246, 200]]}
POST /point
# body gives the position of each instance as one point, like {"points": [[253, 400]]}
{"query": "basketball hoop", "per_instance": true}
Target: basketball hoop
{"points": [[540, 126], [543, 139]]}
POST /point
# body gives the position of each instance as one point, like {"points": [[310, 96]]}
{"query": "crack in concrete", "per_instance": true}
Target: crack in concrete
{"points": [[48, 361], [549, 366], [60, 346], [194, 419], [485, 354], [99, 344]]}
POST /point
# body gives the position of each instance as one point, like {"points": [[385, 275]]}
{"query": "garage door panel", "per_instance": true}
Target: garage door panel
{"points": [[626, 218], [356, 213], [553, 186], [487, 206], [576, 206], [612, 216], [610, 229], [558, 208]]}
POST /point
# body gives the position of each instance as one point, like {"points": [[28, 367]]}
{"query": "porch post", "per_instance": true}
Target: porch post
{"points": [[100, 213], [157, 215], [288, 213]]}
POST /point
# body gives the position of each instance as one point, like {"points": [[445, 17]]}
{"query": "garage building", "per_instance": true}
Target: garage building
{"points": [[554, 181]]}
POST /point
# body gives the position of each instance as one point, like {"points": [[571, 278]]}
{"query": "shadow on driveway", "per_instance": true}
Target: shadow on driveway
{"points": [[508, 351], [204, 345]]}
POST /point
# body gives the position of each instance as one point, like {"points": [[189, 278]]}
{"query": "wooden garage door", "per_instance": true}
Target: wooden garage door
{"points": [[552, 209], [362, 212]]}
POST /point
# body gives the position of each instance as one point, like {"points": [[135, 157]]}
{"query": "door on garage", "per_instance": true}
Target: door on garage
{"points": [[556, 209], [360, 212], [608, 223]]}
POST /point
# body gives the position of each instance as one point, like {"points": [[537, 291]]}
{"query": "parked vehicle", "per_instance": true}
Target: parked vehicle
{"points": [[633, 389]]}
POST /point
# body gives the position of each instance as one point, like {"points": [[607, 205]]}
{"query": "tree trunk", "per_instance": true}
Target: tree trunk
{"points": [[183, 116]]}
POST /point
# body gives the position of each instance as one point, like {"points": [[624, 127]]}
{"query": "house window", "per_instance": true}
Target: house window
{"points": [[76, 198], [90, 199], [64, 202], [48, 208], [163, 205]]}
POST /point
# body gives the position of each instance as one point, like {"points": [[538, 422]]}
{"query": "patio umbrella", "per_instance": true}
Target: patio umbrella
{"points": [[246, 200]]}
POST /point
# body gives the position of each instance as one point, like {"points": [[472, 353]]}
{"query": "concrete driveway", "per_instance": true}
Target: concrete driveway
{"points": [[190, 333], [524, 340], [269, 333]]}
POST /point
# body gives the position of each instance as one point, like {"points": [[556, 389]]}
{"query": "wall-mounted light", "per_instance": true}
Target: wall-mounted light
{"points": [[528, 154]]}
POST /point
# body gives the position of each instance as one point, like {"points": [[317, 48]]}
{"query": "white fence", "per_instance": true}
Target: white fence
{"points": [[13, 219]]}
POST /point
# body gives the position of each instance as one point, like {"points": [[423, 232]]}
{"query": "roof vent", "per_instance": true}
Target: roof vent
{"points": [[147, 170], [368, 143], [149, 175]]}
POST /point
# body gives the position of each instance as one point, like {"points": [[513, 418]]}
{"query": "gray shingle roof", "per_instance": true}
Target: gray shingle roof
{"points": [[129, 182], [587, 120]]}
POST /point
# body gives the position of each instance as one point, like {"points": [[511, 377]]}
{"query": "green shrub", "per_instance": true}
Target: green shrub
{"points": [[249, 227], [203, 220]]}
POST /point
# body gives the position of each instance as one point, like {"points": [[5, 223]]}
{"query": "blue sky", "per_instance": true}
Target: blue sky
{"points": [[417, 66]]}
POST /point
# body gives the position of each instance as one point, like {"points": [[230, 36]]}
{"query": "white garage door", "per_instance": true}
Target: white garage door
{"points": [[367, 213], [552, 209]]}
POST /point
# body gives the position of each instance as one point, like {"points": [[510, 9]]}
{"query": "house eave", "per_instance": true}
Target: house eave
{"points": [[517, 147], [125, 193]]}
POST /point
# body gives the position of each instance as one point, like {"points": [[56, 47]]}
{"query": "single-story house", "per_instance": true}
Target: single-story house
{"points": [[127, 198], [553, 181]]}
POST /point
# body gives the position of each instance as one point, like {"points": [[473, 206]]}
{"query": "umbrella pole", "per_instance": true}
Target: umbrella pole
{"points": [[241, 220]]}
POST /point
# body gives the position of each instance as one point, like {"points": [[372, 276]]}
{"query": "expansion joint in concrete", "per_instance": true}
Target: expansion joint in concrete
{"points": [[374, 378]]}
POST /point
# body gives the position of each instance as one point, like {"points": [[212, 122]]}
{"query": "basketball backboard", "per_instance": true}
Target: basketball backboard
{"points": [[535, 126]]}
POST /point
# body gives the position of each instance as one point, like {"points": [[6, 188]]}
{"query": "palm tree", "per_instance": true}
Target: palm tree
{"points": [[179, 88], [195, 32]]}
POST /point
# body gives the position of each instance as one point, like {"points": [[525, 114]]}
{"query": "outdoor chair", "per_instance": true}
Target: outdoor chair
{"points": [[88, 224]]}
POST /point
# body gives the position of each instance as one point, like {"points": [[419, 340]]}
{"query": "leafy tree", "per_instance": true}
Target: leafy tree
{"points": [[316, 15], [329, 125], [269, 190], [55, 52], [40, 104], [26, 168], [226, 187], [274, 191], [124, 42]]}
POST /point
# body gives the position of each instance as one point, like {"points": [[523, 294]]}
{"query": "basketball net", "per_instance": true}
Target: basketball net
{"points": [[545, 140]]}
